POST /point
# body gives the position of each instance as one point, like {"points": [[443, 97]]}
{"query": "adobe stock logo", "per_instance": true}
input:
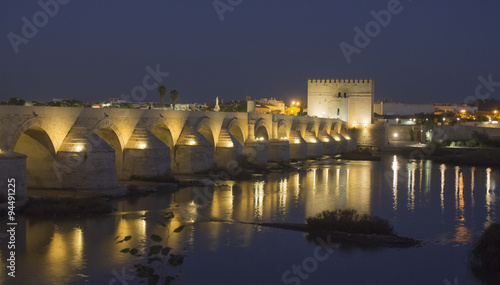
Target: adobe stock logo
{"points": [[309, 265], [221, 7], [40, 19], [150, 82], [483, 86], [362, 39]]}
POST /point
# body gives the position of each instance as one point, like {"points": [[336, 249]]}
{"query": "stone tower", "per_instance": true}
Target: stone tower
{"points": [[345, 99]]}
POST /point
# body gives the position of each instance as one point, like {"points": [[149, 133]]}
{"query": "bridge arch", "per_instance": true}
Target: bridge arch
{"points": [[111, 134], [234, 128], [34, 123], [261, 130], [163, 133], [204, 128], [343, 127], [310, 127], [107, 124], [339, 126], [325, 126], [283, 131], [33, 139]]}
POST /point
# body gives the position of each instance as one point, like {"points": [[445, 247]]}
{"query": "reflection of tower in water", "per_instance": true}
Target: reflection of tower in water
{"points": [[472, 170], [347, 186], [462, 233], [282, 195], [490, 198], [258, 199], [395, 169], [412, 166], [443, 169]]}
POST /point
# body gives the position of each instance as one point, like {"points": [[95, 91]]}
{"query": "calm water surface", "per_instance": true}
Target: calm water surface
{"points": [[446, 206]]}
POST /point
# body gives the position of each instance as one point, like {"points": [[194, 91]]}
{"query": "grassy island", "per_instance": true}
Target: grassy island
{"points": [[349, 227]]}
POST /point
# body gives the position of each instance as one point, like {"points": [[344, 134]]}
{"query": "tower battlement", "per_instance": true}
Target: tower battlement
{"points": [[342, 80]]}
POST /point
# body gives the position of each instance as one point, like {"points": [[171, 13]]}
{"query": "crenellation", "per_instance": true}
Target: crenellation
{"points": [[341, 80]]}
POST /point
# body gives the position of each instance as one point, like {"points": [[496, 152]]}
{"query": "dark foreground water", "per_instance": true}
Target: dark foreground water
{"points": [[445, 206]]}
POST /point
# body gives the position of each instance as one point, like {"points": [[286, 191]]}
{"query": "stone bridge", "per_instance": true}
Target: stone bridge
{"points": [[83, 148]]}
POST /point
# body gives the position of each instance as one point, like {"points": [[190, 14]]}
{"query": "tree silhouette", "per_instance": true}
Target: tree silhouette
{"points": [[162, 90], [174, 95]]}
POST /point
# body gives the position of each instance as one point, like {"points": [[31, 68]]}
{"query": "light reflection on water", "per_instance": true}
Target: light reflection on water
{"points": [[443, 203]]}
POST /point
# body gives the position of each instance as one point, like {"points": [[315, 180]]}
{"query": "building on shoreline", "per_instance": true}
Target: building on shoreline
{"points": [[401, 108]]}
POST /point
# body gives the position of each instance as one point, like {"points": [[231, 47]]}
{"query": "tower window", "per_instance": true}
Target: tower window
{"points": [[345, 95], [340, 95], [338, 111]]}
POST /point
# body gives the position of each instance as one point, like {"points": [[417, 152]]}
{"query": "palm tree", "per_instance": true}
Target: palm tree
{"points": [[162, 90], [174, 95]]}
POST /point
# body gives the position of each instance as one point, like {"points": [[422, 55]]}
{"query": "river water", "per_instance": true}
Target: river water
{"points": [[445, 206]]}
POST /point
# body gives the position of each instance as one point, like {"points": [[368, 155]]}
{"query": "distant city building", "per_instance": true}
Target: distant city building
{"points": [[275, 105], [117, 100], [442, 108], [345, 99], [190, 107], [272, 106], [402, 109], [233, 106]]}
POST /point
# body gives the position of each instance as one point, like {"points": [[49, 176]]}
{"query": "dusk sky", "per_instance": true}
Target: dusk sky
{"points": [[429, 52]]}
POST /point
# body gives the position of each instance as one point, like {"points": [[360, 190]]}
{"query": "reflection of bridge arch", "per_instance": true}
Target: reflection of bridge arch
{"points": [[34, 140]]}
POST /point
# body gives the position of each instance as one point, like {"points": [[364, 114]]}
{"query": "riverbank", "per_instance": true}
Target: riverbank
{"points": [[469, 156], [75, 203], [359, 155]]}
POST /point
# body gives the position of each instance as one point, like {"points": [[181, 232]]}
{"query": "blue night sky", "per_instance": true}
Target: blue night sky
{"points": [[432, 51]]}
